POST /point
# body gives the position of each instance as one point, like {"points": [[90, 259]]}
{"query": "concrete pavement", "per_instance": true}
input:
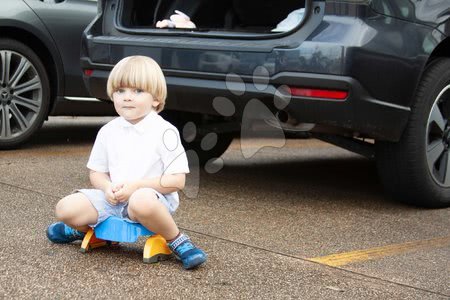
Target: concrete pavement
{"points": [[261, 220]]}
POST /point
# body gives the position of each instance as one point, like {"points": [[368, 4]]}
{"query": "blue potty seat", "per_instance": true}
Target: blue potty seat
{"points": [[120, 230]]}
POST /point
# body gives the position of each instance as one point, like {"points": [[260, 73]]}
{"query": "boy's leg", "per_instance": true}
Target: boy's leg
{"points": [[76, 211], [145, 208]]}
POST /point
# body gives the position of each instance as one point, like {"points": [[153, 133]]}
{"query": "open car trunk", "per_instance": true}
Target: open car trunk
{"points": [[253, 16]]}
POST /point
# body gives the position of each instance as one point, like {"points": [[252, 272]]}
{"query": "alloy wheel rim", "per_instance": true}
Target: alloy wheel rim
{"points": [[438, 139], [20, 94]]}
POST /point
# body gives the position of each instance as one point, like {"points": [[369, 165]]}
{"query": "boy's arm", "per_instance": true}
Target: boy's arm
{"points": [[165, 184], [99, 180]]}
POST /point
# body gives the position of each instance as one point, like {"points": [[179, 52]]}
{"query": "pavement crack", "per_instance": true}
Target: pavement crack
{"points": [[28, 189]]}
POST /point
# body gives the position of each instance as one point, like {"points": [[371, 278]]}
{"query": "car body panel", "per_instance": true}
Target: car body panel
{"points": [[342, 44], [431, 13], [18, 15], [75, 15]]}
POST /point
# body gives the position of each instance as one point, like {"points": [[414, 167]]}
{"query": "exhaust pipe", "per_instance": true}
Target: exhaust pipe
{"points": [[286, 122]]}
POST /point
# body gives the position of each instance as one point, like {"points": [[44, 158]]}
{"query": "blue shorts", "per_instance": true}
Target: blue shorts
{"points": [[106, 209]]}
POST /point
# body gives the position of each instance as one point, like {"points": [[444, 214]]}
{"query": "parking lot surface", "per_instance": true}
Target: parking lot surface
{"points": [[303, 221]]}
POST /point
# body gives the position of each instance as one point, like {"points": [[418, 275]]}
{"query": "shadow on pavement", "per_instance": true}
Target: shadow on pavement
{"points": [[67, 131]]}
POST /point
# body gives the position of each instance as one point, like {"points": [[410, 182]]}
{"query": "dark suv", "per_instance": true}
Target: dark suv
{"points": [[371, 76]]}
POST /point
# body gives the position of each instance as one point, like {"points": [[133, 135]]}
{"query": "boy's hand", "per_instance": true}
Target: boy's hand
{"points": [[110, 196], [124, 191], [116, 187]]}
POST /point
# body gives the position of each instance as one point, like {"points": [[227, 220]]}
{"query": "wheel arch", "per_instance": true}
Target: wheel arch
{"points": [[442, 50], [48, 57]]}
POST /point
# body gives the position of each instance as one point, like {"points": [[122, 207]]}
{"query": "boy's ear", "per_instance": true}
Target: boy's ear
{"points": [[156, 103]]}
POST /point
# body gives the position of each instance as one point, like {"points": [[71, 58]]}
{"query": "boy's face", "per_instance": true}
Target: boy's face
{"points": [[133, 104]]}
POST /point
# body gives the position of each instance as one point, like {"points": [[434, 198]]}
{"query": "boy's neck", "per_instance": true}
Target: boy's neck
{"points": [[134, 122]]}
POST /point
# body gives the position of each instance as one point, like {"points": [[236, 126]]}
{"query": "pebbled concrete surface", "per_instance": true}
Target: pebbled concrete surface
{"points": [[259, 219]]}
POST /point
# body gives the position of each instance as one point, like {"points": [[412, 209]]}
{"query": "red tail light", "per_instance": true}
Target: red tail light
{"points": [[88, 72], [319, 93]]}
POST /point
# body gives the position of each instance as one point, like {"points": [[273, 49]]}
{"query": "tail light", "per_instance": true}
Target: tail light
{"points": [[318, 93]]}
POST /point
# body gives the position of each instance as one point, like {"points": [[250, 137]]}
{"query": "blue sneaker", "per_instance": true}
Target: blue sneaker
{"points": [[60, 233], [184, 250]]}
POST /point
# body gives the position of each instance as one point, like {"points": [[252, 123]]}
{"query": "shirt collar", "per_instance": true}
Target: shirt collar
{"points": [[142, 125]]}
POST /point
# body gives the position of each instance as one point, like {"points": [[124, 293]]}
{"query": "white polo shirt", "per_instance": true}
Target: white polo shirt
{"points": [[147, 149]]}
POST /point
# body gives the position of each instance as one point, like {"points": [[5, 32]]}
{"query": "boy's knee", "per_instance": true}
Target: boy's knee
{"points": [[65, 209], [143, 201], [62, 210]]}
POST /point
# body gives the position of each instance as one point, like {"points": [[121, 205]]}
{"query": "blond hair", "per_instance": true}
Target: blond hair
{"points": [[140, 72]]}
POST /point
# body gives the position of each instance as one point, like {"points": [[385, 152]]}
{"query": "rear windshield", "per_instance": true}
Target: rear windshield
{"points": [[270, 16]]}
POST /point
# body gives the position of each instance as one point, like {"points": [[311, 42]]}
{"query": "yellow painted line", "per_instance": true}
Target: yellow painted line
{"points": [[342, 259]]}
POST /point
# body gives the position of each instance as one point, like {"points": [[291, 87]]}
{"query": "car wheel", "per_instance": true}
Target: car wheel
{"points": [[416, 169], [24, 93]]}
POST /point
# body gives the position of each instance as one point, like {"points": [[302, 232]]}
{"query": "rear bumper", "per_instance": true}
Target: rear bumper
{"points": [[359, 113]]}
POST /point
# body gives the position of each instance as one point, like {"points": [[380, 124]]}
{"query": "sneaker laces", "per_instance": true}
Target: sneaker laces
{"points": [[182, 244], [184, 247], [69, 231]]}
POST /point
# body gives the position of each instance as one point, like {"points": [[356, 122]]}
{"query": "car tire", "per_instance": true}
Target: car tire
{"points": [[209, 147], [200, 145], [24, 93], [416, 170]]}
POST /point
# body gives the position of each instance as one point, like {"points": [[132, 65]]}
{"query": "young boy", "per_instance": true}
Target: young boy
{"points": [[137, 165]]}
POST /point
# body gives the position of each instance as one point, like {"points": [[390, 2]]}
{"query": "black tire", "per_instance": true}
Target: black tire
{"points": [[208, 147], [24, 93], [416, 170], [200, 145]]}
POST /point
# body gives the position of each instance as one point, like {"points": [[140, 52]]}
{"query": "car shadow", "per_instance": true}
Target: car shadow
{"points": [[67, 131], [349, 179]]}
